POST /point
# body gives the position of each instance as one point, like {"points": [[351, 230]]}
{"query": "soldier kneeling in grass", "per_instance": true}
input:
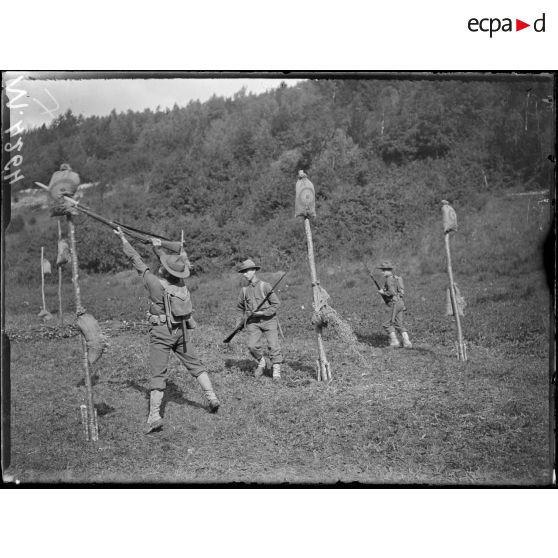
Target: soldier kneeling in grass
{"points": [[262, 323], [393, 291], [166, 291]]}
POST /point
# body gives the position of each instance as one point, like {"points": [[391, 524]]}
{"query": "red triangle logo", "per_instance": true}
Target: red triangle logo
{"points": [[519, 25]]}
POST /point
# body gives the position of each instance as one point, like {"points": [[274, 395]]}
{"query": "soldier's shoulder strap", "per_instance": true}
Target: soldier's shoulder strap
{"points": [[174, 290], [245, 298], [265, 288]]}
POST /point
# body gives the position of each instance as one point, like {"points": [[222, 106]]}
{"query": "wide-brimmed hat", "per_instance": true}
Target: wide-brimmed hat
{"points": [[246, 265], [386, 264], [176, 264]]}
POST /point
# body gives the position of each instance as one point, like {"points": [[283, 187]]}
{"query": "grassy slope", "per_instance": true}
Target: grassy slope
{"points": [[405, 416], [409, 416]]}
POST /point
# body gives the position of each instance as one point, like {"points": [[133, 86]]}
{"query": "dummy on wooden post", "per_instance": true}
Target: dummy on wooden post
{"points": [[305, 206], [62, 187]]}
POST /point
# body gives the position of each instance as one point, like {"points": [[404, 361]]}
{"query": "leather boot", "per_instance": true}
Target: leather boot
{"points": [[276, 371], [393, 341], [406, 341], [207, 388], [260, 369], [154, 420]]}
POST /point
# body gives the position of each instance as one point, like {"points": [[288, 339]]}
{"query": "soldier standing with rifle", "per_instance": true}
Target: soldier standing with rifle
{"points": [[260, 318], [392, 293], [169, 302]]}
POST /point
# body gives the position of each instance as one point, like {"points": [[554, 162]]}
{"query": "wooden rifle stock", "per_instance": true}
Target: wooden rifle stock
{"points": [[183, 325]]}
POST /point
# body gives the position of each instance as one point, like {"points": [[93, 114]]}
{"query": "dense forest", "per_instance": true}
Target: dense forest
{"points": [[381, 154]]}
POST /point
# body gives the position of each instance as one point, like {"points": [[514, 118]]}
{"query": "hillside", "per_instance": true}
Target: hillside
{"points": [[382, 154]]}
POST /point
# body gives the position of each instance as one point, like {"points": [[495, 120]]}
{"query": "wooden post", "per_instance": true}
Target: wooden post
{"points": [[83, 410], [324, 370], [183, 318], [60, 310], [91, 415], [43, 278], [461, 354]]}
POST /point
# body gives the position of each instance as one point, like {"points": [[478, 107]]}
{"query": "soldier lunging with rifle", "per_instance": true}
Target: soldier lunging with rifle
{"points": [[169, 307]]}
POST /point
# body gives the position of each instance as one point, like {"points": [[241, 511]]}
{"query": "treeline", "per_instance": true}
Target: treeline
{"points": [[382, 154]]}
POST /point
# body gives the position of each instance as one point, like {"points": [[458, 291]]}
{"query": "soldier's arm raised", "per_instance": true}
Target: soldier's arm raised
{"points": [[129, 250], [157, 246]]}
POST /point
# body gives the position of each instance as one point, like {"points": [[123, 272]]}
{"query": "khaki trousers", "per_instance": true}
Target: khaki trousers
{"points": [[395, 317], [161, 344], [264, 328]]}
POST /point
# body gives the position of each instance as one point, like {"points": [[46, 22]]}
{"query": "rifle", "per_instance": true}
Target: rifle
{"points": [[384, 297], [240, 326], [142, 236]]}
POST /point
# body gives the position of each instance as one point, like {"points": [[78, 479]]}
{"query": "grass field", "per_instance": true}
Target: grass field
{"points": [[406, 416]]}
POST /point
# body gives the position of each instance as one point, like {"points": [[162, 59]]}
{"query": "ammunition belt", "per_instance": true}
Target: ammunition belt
{"points": [[156, 319]]}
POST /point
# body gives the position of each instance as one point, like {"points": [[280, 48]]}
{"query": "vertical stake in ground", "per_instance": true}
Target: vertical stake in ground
{"points": [[45, 269], [43, 278], [322, 365], [92, 426], [305, 207], [450, 226], [60, 310], [183, 318]]}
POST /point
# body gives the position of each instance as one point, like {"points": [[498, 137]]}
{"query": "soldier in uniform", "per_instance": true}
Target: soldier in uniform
{"points": [[262, 323], [164, 336], [393, 289]]}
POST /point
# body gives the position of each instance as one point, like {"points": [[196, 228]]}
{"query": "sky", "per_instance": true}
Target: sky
{"points": [[45, 99]]}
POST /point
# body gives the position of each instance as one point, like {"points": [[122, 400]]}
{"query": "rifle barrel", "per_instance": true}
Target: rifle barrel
{"points": [[141, 236], [384, 297]]}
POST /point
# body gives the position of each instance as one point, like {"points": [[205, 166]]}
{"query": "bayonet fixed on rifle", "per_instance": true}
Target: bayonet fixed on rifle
{"points": [[240, 327], [384, 297]]}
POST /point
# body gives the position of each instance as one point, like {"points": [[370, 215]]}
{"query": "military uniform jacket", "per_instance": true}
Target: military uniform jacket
{"points": [[252, 295], [151, 281], [392, 290]]}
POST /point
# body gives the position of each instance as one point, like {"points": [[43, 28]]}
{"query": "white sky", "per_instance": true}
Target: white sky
{"points": [[45, 99]]}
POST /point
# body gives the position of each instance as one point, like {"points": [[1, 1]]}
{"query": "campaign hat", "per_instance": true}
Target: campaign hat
{"points": [[177, 265], [386, 264], [246, 265]]}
